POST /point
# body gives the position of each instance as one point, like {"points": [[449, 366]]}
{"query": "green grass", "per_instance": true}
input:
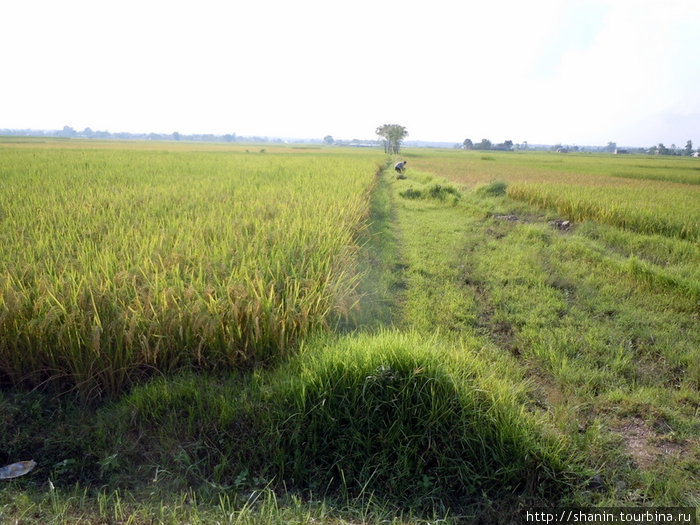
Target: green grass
{"points": [[379, 263], [494, 189], [77, 506], [608, 345], [415, 424], [391, 417]]}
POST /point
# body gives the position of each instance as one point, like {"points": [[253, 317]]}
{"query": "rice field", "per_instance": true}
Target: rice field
{"points": [[652, 208], [641, 194], [438, 347], [117, 263]]}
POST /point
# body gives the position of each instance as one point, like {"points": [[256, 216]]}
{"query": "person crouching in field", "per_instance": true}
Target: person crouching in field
{"points": [[400, 167]]}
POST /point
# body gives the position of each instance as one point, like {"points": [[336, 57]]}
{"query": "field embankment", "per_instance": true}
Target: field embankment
{"points": [[602, 318]]}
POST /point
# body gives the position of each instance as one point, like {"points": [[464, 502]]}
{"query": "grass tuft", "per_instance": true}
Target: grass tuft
{"points": [[493, 189], [401, 417], [433, 191]]}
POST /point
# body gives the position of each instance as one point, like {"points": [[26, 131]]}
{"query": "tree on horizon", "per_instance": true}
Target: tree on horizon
{"points": [[392, 135]]}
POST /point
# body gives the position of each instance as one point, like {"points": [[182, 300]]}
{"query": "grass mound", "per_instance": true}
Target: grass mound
{"points": [[402, 418], [389, 414], [433, 191], [493, 189]]}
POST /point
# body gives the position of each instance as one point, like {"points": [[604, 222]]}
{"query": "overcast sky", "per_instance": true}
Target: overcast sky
{"points": [[543, 71]]}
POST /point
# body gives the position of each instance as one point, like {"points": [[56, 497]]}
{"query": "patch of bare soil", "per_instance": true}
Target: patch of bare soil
{"points": [[522, 218], [547, 393], [500, 331], [644, 445]]}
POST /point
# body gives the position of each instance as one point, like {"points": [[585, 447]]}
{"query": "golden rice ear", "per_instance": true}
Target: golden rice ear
{"points": [[18, 469]]}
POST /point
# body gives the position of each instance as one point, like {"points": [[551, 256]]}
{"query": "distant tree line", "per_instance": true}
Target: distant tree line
{"points": [[391, 138], [486, 144], [611, 147], [660, 149], [88, 133]]}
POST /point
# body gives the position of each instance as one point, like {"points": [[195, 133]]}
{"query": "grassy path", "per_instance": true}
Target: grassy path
{"points": [[611, 358]]}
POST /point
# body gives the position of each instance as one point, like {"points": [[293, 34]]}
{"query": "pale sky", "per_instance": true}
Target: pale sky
{"points": [[543, 71]]}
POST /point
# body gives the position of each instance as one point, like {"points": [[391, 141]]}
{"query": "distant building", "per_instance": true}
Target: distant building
{"points": [[620, 151]]}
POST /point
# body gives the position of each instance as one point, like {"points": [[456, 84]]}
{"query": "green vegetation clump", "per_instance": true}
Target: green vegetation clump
{"points": [[493, 189], [411, 193], [431, 191], [401, 417], [394, 415]]}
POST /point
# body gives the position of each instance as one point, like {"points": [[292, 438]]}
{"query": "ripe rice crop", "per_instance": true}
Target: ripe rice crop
{"points": [[643, 194], [474, 168], [118, 263], [670, 211]]}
